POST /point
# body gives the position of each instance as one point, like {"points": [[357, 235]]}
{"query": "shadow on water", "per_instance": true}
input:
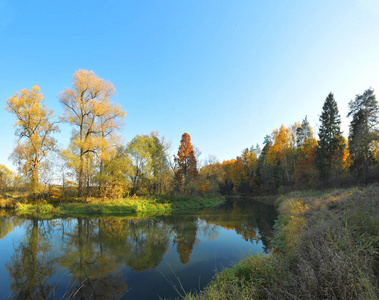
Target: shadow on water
{"points": [[128, 257]]}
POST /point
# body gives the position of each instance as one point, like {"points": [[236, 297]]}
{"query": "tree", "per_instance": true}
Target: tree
{"points": [[87, 107], [160, 166], [305, 174], [34, 129], [280, 154], [331, 146], [113, 176], [6, 178], [211, 176], [141, 164], [185, 162], [265, 171], [363, 131]]}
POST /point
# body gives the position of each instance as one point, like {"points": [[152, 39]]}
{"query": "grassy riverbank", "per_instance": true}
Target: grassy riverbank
{"points": [[326, 247], [96, 206]]}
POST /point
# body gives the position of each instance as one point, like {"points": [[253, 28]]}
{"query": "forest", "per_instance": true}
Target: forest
{"points": [[97, 164]]}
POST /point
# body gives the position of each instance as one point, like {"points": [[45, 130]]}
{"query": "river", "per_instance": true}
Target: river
{"points": [[128, 257]]}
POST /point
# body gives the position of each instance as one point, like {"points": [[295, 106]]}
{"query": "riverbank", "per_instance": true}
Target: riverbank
{"points": [[96, 206], [326, 247]]}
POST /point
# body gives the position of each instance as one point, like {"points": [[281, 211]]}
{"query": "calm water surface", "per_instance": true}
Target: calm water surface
{"points": [[127, 257]]}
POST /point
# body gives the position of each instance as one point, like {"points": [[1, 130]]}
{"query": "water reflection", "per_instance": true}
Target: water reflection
{"points": [[32, 263], [86, 258]]}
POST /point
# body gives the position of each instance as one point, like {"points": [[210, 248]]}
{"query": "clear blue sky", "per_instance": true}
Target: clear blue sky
{"points": [[226, 72]]}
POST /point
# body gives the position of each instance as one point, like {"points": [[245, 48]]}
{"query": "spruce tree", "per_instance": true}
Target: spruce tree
{"points": [[330, 138], [363, 131]]}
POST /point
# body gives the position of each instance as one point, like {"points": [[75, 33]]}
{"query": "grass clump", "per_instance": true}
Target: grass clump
{"points": [[97, 206], [326, 247]]}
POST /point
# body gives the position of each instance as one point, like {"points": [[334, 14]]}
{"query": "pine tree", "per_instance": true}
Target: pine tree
{"points": [[363, 131], [330, 138], [186, 164]]}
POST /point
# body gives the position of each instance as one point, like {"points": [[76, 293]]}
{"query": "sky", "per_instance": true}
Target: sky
{"points": [[226, 72]]}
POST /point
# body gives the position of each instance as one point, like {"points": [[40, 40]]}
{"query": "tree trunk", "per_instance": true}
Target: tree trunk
{"points": [[80, 176]]}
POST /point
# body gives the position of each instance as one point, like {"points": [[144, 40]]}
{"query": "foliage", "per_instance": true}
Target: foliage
{"points": [[87, 107], [326, 248], [149, 166], [281, 154], [363, 132], [97, 206], [112, 178], [331, 153], [185, 163], [7, 178], [305, 174], [33, 129]]}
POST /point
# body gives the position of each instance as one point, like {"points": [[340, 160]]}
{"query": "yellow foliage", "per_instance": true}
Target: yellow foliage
{"points": [[96, 120], [33, 128]]}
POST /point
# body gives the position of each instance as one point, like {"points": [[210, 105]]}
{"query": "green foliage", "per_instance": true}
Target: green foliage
{"points": [[149, 166], [113, 177], [331, 145], [96, 206], [363, 132]]}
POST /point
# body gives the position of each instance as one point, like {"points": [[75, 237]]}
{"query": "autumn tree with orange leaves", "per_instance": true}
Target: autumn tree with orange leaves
{"points": [[185, 163]]}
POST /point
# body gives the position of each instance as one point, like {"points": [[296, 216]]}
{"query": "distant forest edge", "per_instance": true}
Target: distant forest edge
{"points": [[96, 164]]}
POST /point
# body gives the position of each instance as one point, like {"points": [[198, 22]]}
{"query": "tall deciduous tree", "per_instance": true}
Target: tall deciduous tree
{"points": [[34, 129], [6, 178], [305, 174], [185, 161], [363, 131], [140, 159], [281, 154], [331, 146], [87, 107], [158, 148], [149, 166]]}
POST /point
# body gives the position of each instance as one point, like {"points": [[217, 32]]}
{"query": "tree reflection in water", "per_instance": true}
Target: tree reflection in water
{"points": [[33, 264], [96, 252]]}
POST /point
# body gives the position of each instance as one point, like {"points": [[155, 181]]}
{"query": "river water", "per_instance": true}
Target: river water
{"points": [[128, 257]]}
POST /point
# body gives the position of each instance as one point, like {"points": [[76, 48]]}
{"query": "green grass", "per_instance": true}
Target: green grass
{"points": [[95, 206], [326, 247]]}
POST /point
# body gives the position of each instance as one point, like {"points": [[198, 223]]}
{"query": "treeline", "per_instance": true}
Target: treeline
{"points": [[292, 158], [97, 164]]}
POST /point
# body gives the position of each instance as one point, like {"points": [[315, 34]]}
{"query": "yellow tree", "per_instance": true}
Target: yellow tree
{"points": [[34, 130], [87, 107], [281, 153], [6, 178], [305, 174], [110, 120]]}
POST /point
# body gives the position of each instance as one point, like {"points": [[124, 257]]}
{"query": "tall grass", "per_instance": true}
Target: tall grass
{"points": [[96, 206], [326, 247]]}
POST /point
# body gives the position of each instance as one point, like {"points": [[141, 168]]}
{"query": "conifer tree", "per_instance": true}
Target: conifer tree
{"points": [[331, 144], [185, 162], [363, 131]]}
